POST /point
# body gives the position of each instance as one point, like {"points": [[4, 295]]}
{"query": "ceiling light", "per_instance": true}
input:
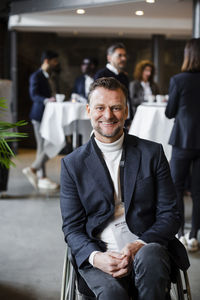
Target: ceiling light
{"points": [[150, 1], [80, 11], [139, 12]]}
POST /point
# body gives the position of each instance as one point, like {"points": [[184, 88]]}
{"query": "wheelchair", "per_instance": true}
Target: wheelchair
{"points": [[74, 286]]}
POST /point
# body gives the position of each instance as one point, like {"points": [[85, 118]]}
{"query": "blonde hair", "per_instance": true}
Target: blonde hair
{"points": [[140, 68]]}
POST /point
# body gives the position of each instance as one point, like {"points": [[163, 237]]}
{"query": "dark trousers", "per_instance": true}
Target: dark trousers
{"points": [[182, 161], [151, 269]]}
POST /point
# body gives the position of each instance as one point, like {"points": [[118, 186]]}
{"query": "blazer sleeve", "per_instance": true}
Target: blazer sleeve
{"points": [[136, 93], [74, 219], [34, 89], [173, 103], [167, 219]]}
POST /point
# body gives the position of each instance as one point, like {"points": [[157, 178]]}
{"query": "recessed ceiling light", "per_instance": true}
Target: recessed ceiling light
{"points": [[139, 12], [80, 11], [150, 1]]}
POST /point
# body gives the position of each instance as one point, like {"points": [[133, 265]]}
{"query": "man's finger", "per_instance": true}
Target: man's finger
{"points": [[116, 254], [121, 273]]}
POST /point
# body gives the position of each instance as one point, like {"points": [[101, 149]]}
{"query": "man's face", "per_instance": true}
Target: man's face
{"points": [[108, 112], [86, 66], [118, 59], [53, 63]]}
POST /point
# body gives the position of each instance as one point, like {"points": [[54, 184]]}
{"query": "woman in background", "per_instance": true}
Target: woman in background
{"points": [[143, 85], [184, 106]]}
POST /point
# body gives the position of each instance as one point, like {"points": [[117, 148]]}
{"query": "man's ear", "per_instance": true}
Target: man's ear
{"points": [[108, 58], [46, 61], [88, 110]]}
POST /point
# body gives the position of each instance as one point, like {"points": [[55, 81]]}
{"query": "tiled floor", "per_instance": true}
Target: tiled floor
{"points": [[31, 244]]}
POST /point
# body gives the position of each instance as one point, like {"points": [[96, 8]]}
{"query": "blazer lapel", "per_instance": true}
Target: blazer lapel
{"points": [[100, 173], [131, 168]]}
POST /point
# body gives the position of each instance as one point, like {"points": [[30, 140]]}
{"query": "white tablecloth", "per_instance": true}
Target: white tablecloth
{"points": [[61, 119], [150, 123]]}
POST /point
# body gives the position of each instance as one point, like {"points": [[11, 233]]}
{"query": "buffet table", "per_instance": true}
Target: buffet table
{"points": [[61, 119], [151, 123]]}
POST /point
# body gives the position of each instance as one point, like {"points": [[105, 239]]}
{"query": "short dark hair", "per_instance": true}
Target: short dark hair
{"points": [[90, 60], [48, 54], [109, 83], [191, 60], [112, 48]]}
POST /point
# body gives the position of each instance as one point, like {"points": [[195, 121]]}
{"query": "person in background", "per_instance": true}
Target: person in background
{"points": [[184, 106], [42, 90], [115, 67], [143, 85], [82, 83]]}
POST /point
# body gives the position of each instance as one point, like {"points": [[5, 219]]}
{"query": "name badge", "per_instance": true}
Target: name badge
{"points": [[121, 233]]}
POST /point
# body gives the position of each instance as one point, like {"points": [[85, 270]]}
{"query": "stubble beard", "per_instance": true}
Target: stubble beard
{"points": [[114, 133]]}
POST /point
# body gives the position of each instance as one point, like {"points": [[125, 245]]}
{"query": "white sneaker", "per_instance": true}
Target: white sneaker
{"points": [[192, 244], [31, 176], [46, 183]]}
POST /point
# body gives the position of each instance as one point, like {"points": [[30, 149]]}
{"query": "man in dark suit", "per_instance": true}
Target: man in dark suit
{"points": [[117, 58], [82, 83], [42, 91], [119, 205]]}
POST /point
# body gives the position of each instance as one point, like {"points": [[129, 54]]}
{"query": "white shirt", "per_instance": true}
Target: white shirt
{"points": [[45, 73], [112, 155], [112, 68], [88, 81], [147, 89]]}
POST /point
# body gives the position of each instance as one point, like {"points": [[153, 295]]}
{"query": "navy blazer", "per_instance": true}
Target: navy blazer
{"points": [[184, 106], [79, 86], [39, 90], [87, 198], [122, 77]]}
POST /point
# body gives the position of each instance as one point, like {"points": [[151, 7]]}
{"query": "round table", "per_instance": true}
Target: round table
{"points": [[151, 123], [61, 119]]}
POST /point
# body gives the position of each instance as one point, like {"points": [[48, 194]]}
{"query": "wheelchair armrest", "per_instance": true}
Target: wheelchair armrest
{"points": [[82, 285]]}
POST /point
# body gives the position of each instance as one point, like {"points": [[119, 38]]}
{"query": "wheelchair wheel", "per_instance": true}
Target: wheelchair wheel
{"points": [[181, 289]]}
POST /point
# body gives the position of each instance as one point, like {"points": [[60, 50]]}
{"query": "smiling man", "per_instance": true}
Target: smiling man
{"points": [[107, 111], [118, 204]]}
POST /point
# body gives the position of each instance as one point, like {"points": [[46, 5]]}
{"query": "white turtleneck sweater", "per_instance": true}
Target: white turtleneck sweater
{"points": [[112, 153]]}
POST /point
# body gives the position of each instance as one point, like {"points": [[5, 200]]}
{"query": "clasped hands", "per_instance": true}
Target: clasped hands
{"points": [[117, 264]]}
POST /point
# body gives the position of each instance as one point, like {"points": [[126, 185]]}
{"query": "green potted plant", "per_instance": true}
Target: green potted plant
{"points": [[8, 135]]}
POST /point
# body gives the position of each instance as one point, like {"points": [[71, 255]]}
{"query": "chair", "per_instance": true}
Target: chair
{"points": [[75, 288]]}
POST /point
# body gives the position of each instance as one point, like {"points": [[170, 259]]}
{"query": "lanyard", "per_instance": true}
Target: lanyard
{"points": [[121, 166]]}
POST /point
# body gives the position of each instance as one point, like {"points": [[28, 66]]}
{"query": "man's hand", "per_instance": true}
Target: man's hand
{"points": [[131, 249], [113, 263], [52, 99]]}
